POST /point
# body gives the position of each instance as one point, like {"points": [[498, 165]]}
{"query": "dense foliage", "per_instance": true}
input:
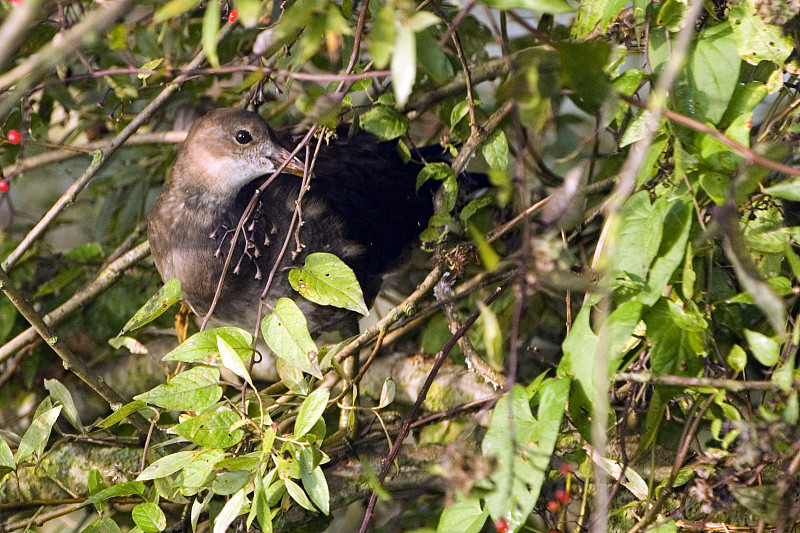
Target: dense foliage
{"points": [[615, 321]]}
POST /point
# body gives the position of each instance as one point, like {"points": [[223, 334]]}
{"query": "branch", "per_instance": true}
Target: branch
{"points": [[733, 385], [103, 280]]}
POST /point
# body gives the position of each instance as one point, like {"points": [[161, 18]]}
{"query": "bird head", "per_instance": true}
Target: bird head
{"points": [[227, 149]]}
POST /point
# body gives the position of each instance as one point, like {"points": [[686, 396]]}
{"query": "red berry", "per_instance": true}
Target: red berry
{"points": [[4, 185], [13, 136], [232, 16], [553, 506], [565, 469], [562, 495], [501, 526]]}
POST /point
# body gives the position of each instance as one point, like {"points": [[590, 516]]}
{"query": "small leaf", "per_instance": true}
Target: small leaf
{"points": [[310, 412], [298, 495], [384, 122], [149, 517], [314, 481], [35, 438], [7, 463], [173, 9], [168, 465], [327, 280], [286, 333], [120, 414], [193, 389], [737, 358], [437, 171], [230, 511], [387, 393], [60, 394], [166, 296], [495, 150], [203, 347], [788, 189], [212, 431], [765, 349], [126, 488], [232, 361], [210, 30], [465, 515], [404, 64]]}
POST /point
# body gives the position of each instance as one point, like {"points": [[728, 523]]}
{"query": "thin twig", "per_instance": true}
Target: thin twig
{"points": [[733, 385]]}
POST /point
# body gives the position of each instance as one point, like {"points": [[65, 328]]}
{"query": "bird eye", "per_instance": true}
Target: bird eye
{"points": [[243, 137]]}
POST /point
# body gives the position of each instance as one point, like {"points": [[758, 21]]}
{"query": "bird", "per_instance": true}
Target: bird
{"points": [[361, 205]]}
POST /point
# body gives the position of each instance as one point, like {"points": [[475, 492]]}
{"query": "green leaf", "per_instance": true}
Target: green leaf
{"points": [[672, 345], [193, 389], [438, 171], [173, 8], [286, 333], [541, 6], [677, 224], [149, 517], [230, 511], [765, 349], [314, 481], [384, 122], [249, 11], [298, 495], [120, 414], [737, 358], [210, 30], [198, 473], [35, 438], [232, 361], [212, 431], [465, 515], [126, 488], [103, 525], [404, 64], [788, 189], [327, 280], [166, 296], [522, 446], [203, 347], [60, 394], [168, 465], [495, 150], [595, 14], [7, 463], [758, 41], [310, 412]]}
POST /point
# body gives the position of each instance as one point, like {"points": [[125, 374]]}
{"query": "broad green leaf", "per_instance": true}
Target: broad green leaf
{"points": [[677, 224], [579, 60], [249, 10], [744, 100], [384, 122], [210, 29], [213, 431], [404, 64], [540, 6], [765, 349], [522, 460], [465, 515], [103, 525], [788, 189], [758, 41], [298, 495], [595, 14], [198, 473], [232, 361], [495, 150], [60, 394], [168, 465], [126, 488], [35, 438], [230, 511], [193, 389], [672, 345], [166, 296], [438, 171], [314, 481], [286, 333], [7, 463], [327, 280], [310, 412], [203, 347], [149, 517]]}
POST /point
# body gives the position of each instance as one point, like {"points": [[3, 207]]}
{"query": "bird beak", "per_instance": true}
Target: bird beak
{"points": [[293, 166]]}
